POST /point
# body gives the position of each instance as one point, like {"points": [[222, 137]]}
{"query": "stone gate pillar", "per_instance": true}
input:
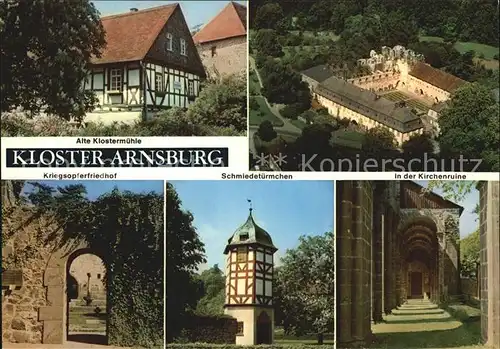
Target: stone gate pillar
{"points": [[490, 262]]}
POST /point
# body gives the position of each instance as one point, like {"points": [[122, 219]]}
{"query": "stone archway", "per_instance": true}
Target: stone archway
{"points": [[54, 315]]}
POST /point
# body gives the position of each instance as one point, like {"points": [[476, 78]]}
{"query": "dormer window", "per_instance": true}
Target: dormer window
{"points": [[243, 237], [168, 43], [183, 47]]}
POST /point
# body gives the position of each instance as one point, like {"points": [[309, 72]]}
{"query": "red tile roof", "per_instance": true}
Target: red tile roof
{"points": [[129, 36], [229, 23], [436, 77]]}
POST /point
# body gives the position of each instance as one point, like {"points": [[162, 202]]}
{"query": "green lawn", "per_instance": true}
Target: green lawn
{"points": [[84, 319], [298, 123], [487, 50], [348, 138], [263, 113], [254, 83], [281, 338]]}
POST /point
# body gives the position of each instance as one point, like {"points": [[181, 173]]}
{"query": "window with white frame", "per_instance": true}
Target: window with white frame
{"points": [[183, 47], [190, 88], [159, 85], [168, 43], [115, 80]]}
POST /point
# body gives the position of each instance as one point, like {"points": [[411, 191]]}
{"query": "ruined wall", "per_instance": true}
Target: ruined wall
{"points": [[377, 81], [230, 56], [22, 250]]}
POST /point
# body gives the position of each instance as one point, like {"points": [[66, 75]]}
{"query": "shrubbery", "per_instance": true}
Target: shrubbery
{"points": [[208, 329], [229, 346]]}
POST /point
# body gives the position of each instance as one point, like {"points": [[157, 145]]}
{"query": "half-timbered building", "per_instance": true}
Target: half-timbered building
{"points": [[249, 283], [149, 63]]}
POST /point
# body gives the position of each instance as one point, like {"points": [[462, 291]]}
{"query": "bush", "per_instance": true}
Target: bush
{"points": [[291, 111], [219, 329]]}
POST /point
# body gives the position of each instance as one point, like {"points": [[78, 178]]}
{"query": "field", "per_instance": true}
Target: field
{"points": [[263, 113], [488, 51], [347, 138]]}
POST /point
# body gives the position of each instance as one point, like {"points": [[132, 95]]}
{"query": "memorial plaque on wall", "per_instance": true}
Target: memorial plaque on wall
{"points": [[12, 278]]}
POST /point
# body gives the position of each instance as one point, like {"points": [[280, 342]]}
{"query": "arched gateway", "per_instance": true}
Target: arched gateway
{"points": [[54, 315], [393, 243]]}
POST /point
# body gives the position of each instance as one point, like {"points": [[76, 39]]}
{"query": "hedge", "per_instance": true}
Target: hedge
{"points": [[219, 329], [229, 346]]}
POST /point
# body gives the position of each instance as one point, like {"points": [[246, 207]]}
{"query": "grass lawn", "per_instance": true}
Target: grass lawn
{"points": [[487, 50], [254, 82], [281, 338], [348, 138], [263, 113], [298, 123], [84, 319]]}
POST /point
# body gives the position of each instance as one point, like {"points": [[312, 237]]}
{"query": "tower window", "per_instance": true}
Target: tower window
{"points": [[240, 328], [242, 255], [243, 237], [214, 50], [99, 276]]}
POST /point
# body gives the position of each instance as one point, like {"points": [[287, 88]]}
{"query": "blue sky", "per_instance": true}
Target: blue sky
{"points": [[469, 221], [97, 188], [195, 12], [285, 209]]}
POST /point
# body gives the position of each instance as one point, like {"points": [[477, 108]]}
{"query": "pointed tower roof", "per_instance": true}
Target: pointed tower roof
{"points": [[229, 23], [250, 233]]}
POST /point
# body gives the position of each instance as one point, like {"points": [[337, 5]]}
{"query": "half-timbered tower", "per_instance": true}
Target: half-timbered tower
{"points": [[249, 283], [149, 63]]}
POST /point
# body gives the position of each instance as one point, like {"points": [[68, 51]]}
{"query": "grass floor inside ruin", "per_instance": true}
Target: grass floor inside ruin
{"points": [[421, 324]]}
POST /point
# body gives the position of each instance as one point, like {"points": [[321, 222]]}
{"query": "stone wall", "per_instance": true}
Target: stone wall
{"points": [[23, 250], [469, 287], [229, 56], [377, 81]]}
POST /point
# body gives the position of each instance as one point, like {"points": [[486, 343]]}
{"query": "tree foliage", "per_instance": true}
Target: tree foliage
{"points": [[266, 42], [469, 254], [126, 230], [305, 286], [45, 50], [475, 137], [212, 302], [185, 252]]}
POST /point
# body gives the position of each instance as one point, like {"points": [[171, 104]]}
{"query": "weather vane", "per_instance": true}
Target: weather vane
{"points": [[250, 203]]}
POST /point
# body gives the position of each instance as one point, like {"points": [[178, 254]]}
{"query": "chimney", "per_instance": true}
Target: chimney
{"points": [[133, 9]]}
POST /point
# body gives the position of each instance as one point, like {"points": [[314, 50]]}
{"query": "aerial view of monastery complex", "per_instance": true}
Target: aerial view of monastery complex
{"points": [[377, 78]]}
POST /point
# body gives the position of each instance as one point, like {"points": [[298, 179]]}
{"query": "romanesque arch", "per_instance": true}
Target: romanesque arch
{"points": [[54, 315]]}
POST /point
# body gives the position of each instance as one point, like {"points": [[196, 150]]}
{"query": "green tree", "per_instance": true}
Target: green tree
{"points": [[268, 16], [46, 48], [469, 254], [266, 42], [306, 280], [212, 302], [471, 137], [379, 140], [266, 131], [418, 145], [222, 104], [185, 252]]}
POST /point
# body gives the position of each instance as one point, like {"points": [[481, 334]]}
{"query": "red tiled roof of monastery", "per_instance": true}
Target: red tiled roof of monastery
{"points": [[129, 36], [229, 23], [436, 77]]}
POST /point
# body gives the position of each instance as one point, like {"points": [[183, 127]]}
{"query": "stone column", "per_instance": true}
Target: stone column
{"points": [[388, 272], [362, 215], [490, 263], [377, 276], [344, 239]]}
